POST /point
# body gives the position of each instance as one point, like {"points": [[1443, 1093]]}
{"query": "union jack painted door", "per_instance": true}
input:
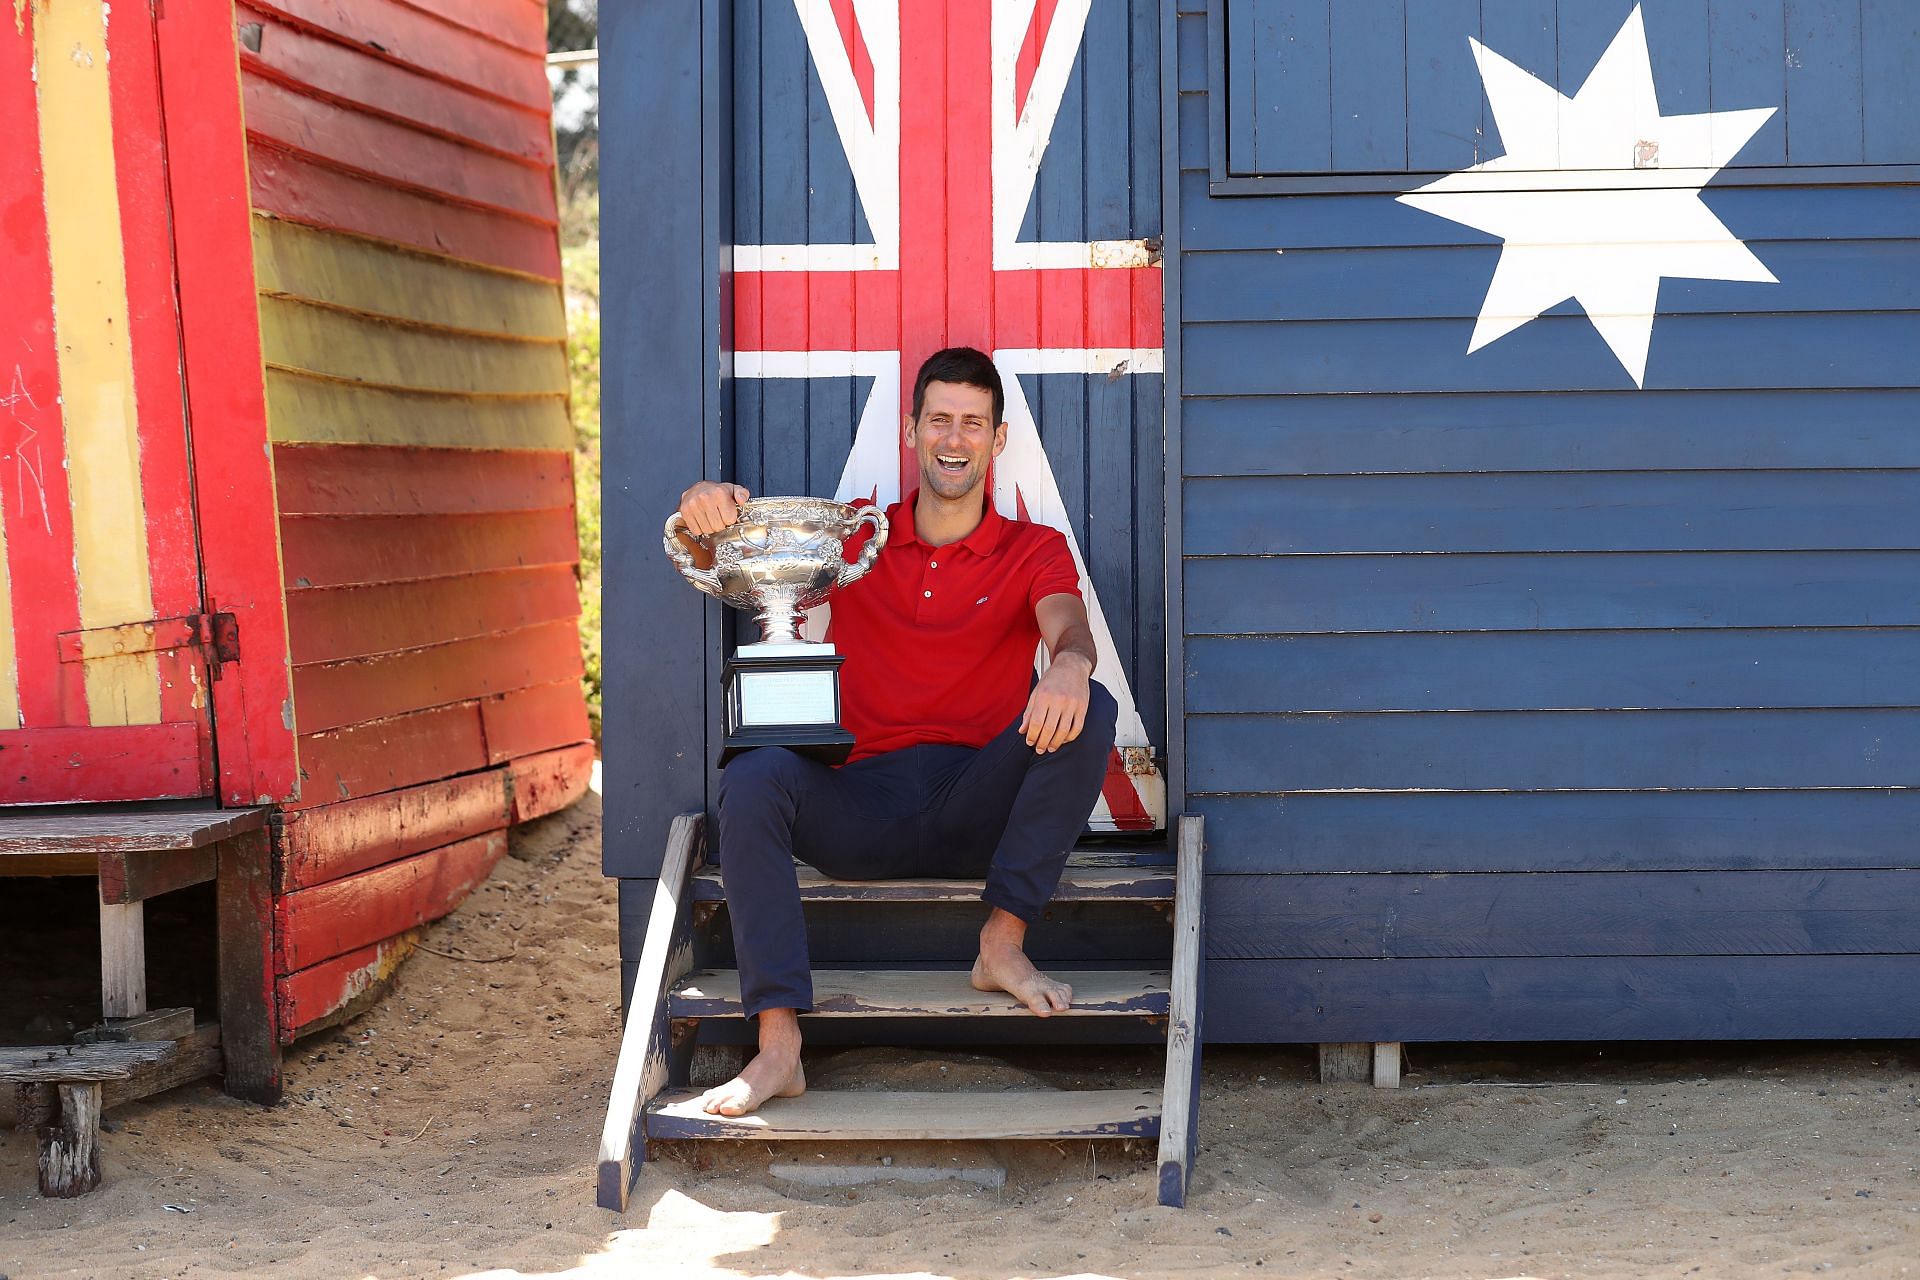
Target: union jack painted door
{"points": [[103, 682], [910, 176]]}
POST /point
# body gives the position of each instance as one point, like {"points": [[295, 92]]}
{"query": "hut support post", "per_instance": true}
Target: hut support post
{"points": [[70, 1147], [123, 959], [249, 1032], [1346, 1063]]}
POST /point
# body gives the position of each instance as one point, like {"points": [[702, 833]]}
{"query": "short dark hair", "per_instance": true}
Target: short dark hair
{"points": [[968, 366]]}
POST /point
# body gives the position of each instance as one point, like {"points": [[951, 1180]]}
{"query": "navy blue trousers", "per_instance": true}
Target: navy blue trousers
{"points": [[1002, 812]]}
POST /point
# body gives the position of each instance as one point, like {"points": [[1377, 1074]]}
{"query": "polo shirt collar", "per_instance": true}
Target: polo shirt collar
{"points": [[983, 541]]}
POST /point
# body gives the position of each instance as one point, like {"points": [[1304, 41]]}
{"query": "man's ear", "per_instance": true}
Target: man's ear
{"points": [[906, 429], [999, 439]]}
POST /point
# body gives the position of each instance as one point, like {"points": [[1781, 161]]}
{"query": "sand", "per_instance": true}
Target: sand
{"points": [[451, 1132]]}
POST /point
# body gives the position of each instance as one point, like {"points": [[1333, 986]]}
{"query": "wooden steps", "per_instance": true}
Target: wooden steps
{"points": [[652, 1098], [860, 1115], [921, 993]]}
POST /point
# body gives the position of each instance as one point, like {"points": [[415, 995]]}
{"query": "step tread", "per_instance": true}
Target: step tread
{"points": [[1078, 883], [911, 1116], [917, 993]]}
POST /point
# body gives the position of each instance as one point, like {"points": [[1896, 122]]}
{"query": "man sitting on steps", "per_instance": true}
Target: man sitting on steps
{"points": [[962, 765]]}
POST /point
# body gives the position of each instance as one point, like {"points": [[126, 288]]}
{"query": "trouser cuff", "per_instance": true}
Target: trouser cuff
{"points": [[996, 896], [800, 1001]]}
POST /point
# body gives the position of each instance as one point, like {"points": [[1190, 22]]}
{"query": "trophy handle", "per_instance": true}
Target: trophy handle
{"points": [[705, 579], [851, 573]]}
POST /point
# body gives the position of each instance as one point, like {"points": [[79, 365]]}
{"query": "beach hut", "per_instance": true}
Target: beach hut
{"points": [[287, 586], [1500, 480]]}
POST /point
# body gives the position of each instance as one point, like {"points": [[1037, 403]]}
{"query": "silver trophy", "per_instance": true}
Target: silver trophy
{"points": [[779, 559]]}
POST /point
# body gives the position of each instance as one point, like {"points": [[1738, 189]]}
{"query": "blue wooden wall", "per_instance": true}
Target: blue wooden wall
{"points": [[1521, 702], [1390, 86], [1099, 179], [665, 189]]}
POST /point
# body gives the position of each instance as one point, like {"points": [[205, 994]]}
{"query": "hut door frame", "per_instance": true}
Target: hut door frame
{"points": [[110, 635], [221, 368]]}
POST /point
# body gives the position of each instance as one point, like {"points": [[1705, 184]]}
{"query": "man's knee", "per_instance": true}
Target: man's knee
{"points": [[757, 774], [1103, 713]]}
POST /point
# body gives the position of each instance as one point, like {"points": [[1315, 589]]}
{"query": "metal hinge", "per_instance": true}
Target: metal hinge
{"points": [[220, 636]]}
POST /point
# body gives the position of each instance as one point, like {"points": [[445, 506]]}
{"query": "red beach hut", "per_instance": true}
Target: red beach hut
{"points": [[287, 553]]}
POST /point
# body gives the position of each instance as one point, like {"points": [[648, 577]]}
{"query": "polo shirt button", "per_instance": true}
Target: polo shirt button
{"points": [[933, 564], [928, 594]]}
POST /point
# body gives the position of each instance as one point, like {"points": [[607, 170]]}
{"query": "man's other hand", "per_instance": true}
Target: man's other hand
{"points": [[1057, 709], [710, 506]]}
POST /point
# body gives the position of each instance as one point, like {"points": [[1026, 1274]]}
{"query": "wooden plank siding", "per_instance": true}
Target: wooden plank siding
{"points": [[667, 170], [1522, 703], [1368, 86], [413, 331]]}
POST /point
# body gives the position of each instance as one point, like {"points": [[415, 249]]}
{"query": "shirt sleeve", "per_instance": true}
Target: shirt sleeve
{"points": [[1053, 572]]}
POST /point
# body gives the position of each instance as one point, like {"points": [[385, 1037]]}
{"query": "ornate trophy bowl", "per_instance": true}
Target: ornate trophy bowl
{"points": [[779, 559], [782, 557]]}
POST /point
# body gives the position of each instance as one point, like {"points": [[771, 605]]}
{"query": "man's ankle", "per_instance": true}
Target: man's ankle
{"points": [[779, 1031], [1003, 929]]}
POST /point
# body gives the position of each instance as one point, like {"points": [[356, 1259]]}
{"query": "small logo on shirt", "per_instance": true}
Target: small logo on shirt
{"points": [[982, 600]]}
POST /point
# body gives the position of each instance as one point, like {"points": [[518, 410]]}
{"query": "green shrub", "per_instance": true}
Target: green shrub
{"points": [[581, 265]]}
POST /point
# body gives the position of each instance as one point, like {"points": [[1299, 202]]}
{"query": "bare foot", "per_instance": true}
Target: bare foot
{"points": [[1006, 968], [771, 1074]]}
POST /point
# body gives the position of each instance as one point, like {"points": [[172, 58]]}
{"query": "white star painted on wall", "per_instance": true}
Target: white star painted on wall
{"points": [[1605, 248]]}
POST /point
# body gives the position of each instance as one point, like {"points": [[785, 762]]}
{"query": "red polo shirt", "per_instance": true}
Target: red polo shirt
{"points": [[940, 641]]}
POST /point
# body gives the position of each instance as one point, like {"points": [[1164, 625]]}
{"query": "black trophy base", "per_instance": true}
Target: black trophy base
{"points": [[829, 744], [784, 696]]}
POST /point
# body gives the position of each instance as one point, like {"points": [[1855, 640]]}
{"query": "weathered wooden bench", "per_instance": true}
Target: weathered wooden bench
{"points": [[137, 854], [652, 1098]]}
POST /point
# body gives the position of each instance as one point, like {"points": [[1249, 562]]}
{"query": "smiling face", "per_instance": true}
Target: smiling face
{"points": [[955, 438]]}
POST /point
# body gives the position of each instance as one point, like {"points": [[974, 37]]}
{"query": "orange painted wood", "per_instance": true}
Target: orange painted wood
{"points": [[305, 998], [103, 763], [358, 622], [34, 501], [342, 764], [333, 919], [513, 23], [550, 781], [220, 333], [153, 341], [359, 77], [316, 846], [327, 551], [334, 695], [405, 35], [293, 187], [345, 479], [536, 719], [399, 154]]}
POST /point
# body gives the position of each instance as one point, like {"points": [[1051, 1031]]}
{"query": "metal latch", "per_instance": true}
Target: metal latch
{"points": [[218, 634]]}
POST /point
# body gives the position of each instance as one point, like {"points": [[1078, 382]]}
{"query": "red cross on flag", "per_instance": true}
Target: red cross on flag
{"points": [[944, 111]]}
